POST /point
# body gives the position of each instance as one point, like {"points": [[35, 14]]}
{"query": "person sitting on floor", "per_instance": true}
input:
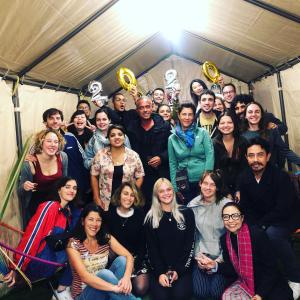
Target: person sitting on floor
{"points": [[88, 251]]}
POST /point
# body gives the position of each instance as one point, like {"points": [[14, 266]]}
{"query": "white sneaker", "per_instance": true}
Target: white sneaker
{"points": [[64, 295], [295, 287]]}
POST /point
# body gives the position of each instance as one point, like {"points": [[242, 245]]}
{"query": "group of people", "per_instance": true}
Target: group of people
{"points": [[177, 204]]}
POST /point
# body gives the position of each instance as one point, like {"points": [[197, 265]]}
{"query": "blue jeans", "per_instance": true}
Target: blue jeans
{"points": [[279, 237], [111, 275]]}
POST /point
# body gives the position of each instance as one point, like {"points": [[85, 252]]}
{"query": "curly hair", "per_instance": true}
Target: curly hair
{"points": [[40, 137]]}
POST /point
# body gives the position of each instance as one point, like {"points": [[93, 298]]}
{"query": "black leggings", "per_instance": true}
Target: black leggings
{"points": [[181, 289]]}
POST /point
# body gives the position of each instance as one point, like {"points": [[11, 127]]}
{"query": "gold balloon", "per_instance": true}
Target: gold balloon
{"points": [[208, 67], [126, 78]]}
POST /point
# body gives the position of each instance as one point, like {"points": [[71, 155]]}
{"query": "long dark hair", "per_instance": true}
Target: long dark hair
{"points": [[79, 233], [229, 113], [262, 125], [195, 98]]}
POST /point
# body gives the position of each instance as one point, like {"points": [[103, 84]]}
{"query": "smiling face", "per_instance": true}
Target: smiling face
{"points": [[232, 218], [80, 121], [253, 114], [92, 224], [85, 108], [119, 102], [208, 188], [165, 193], [50, 144], [54, 122], [186, 117], [197, 88], [116, 138], [228, 93], [68, 192], [240, 108], [158, 96], [165, 112], [127, 197], [257, 158], [144, 108], [102, 121], [226, 125], [207, 103], [218, 105]]}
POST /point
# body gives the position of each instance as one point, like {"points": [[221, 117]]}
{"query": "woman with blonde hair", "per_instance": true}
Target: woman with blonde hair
{"points": [[125, 220], [170, 241], [38, 176]]}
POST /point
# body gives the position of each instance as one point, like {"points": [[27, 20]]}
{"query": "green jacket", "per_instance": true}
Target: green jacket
{"points": [[197, 159]]}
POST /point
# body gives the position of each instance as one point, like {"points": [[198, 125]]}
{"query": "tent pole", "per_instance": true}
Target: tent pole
{"points": [[16, 102], [282, 109], [250, 88]]}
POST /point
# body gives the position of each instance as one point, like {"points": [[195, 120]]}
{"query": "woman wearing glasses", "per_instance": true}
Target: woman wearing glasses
{"points": [[207, 209], [248, 261]]}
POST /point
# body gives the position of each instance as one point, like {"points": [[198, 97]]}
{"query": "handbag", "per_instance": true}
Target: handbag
{"points": [[182, 180], [59, 241]]}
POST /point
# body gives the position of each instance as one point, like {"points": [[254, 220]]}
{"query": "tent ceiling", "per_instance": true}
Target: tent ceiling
{"points": [[245, 41]]}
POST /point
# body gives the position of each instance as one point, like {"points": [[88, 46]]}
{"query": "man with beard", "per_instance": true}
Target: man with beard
{"points": [[269, 201], [238, 107], [206, 117], [124, 116], [148, 136]]}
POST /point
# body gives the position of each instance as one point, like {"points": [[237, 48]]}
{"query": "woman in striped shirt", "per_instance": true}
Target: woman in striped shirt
{"points": [[88, 255]]}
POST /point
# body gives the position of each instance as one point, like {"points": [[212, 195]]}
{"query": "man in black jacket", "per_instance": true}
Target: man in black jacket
{"points": [[124, 117], [149, 138], [269, 201]]}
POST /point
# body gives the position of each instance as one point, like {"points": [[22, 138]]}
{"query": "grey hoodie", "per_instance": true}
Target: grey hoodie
{"points": [[209, 226]]}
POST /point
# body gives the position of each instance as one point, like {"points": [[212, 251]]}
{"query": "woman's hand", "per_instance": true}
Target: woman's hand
{"points": [[256, 297], [164, 280], [125, 285], [29, 186], [10, 278], [172, 276], [237, 197]]}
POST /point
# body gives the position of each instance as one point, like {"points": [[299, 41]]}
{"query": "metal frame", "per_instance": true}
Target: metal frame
{"points": [[127, 55], [42, 84], [67, 37], [201, 63], [276, 10], [281, 67], [227, 49], [146, 70], [16, 103], [282, 109]]}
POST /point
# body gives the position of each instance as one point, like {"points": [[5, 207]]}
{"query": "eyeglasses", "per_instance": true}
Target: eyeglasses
{"points": [[229, 92], [234, 217]]}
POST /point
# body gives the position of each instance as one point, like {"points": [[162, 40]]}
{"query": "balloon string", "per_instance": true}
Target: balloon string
{"points": [[31, 257]]}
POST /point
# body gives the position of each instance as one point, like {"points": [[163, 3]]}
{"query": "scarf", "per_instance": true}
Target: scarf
{"points": [[187, 136], [243, 264]]}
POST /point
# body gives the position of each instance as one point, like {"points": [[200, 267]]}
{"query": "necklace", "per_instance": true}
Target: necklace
{"points": [[124, 222]]}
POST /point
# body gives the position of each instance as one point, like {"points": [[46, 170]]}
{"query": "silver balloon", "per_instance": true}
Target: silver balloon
{"points": [[95, 88], [172, 86]]}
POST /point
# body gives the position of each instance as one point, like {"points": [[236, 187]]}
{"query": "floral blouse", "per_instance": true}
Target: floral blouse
{"points": [[104, 168]]}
